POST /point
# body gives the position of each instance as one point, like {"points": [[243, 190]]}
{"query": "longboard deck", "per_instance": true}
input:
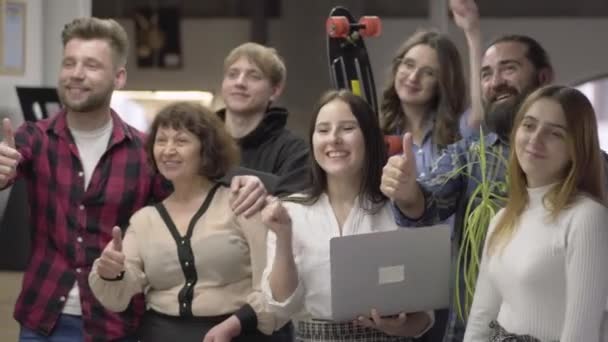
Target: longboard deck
{"points": [[349, 65]]}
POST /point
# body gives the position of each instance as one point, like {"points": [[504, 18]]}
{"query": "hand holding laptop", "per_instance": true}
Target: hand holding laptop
{"points": [[390, 326], [407, 325]]}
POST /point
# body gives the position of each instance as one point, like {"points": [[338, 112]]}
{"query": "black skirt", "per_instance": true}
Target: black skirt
{"points": [[157, 327]]}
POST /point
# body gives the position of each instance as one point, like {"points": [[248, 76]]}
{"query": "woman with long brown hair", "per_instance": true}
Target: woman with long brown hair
{"points": [[425, 95], [543, 275], [344, 199]]}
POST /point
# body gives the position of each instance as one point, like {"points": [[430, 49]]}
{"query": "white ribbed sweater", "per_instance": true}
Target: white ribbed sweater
{"points": [[551, 280]]}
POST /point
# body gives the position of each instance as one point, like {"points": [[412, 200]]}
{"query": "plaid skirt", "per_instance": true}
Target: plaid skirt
{"points": [[499, 334], [328, 331]]}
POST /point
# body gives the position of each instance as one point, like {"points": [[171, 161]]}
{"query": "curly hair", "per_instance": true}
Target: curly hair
{"points": [[219, 152]]}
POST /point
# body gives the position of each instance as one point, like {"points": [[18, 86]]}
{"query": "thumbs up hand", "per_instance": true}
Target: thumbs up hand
{"points": [[276, 218], [9, 156], [399, 174], [111, 263]]}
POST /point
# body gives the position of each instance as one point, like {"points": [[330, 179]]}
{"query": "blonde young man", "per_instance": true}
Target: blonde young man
{"points": [[254, 77]]}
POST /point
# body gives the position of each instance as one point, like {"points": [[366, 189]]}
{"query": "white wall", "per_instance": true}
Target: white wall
{"points": [[56, 14], [9, 103], [33, 62], [44, 22], [204, 45]]}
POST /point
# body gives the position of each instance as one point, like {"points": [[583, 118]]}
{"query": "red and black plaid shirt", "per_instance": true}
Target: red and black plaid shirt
{"points": [[71, 226]]}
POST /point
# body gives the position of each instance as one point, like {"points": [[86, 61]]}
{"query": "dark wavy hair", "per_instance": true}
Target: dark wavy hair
{"points": [[537, 55], [450, 96], [219, 151], [375, 153]]}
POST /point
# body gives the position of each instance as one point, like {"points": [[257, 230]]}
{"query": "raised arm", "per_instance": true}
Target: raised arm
{"points": [[429, 200], [10, 157], [257, 313], [466, 16], [283, 274], [118, 273], [399, 181]]}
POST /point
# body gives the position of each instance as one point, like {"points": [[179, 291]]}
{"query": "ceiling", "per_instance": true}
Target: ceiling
{"points": [[385, 8]]}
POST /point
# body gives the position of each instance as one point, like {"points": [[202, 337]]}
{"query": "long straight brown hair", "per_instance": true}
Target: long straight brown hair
{"points": [[583, 175], [371, 198]]}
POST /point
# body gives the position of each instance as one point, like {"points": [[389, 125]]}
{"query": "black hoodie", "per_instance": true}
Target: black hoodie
{"points": [[279, 156]]}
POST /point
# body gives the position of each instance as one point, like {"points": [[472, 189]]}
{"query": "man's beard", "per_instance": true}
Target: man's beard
{"points": [[499, 116], [93, 102]]}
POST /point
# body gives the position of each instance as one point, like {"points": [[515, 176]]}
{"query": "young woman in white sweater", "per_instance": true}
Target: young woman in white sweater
{"points": [[543, 275], [344, 199]]}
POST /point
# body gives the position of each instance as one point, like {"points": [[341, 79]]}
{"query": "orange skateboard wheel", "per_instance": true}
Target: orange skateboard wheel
{"points": [[337, 27], [371, 26], [394, 144]]}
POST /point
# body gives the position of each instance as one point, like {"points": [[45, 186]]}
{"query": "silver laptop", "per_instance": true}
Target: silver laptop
{"points": [[406, 270]]}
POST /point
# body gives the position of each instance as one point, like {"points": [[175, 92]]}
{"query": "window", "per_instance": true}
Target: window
{"points": [[596, 90]]}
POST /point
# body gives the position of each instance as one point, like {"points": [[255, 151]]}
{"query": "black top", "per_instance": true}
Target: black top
{"points": [[274, 154]]}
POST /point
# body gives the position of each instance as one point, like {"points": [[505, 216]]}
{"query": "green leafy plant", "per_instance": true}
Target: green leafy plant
{"points": [[483, 204]]}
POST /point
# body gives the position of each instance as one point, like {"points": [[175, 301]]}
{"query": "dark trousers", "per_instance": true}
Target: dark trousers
{"points": [[285, 334], [69, 328], [436, 333], [157, 327]]}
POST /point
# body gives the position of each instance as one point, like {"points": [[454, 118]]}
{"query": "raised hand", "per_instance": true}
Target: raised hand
{"points": [[9, 156], [112, 260], [399, 174], [466, 14], [276, 217]]}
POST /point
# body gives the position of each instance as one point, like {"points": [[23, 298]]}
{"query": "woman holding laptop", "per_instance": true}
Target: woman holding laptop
{"points": [[344, 199]]}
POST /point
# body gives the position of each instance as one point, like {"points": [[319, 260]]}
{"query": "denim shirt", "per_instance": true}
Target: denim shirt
{"points": [[428, 151], [447, 193]]}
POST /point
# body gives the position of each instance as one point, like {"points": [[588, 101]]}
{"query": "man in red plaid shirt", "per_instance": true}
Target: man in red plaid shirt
{"points": [[86, 172]]}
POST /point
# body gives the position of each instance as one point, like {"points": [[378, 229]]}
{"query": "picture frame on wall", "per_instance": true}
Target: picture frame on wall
{"points": [[12, 37]]}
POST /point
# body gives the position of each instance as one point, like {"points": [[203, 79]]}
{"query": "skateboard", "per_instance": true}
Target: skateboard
{"points": [[349, 65]]}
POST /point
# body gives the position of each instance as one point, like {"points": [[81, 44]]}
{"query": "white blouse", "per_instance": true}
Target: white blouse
{"points": [[313, 227]]}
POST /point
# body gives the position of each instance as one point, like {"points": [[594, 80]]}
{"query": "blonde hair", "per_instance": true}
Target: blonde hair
{"points": [[265, 58], [584, 174], [88, 28]]}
